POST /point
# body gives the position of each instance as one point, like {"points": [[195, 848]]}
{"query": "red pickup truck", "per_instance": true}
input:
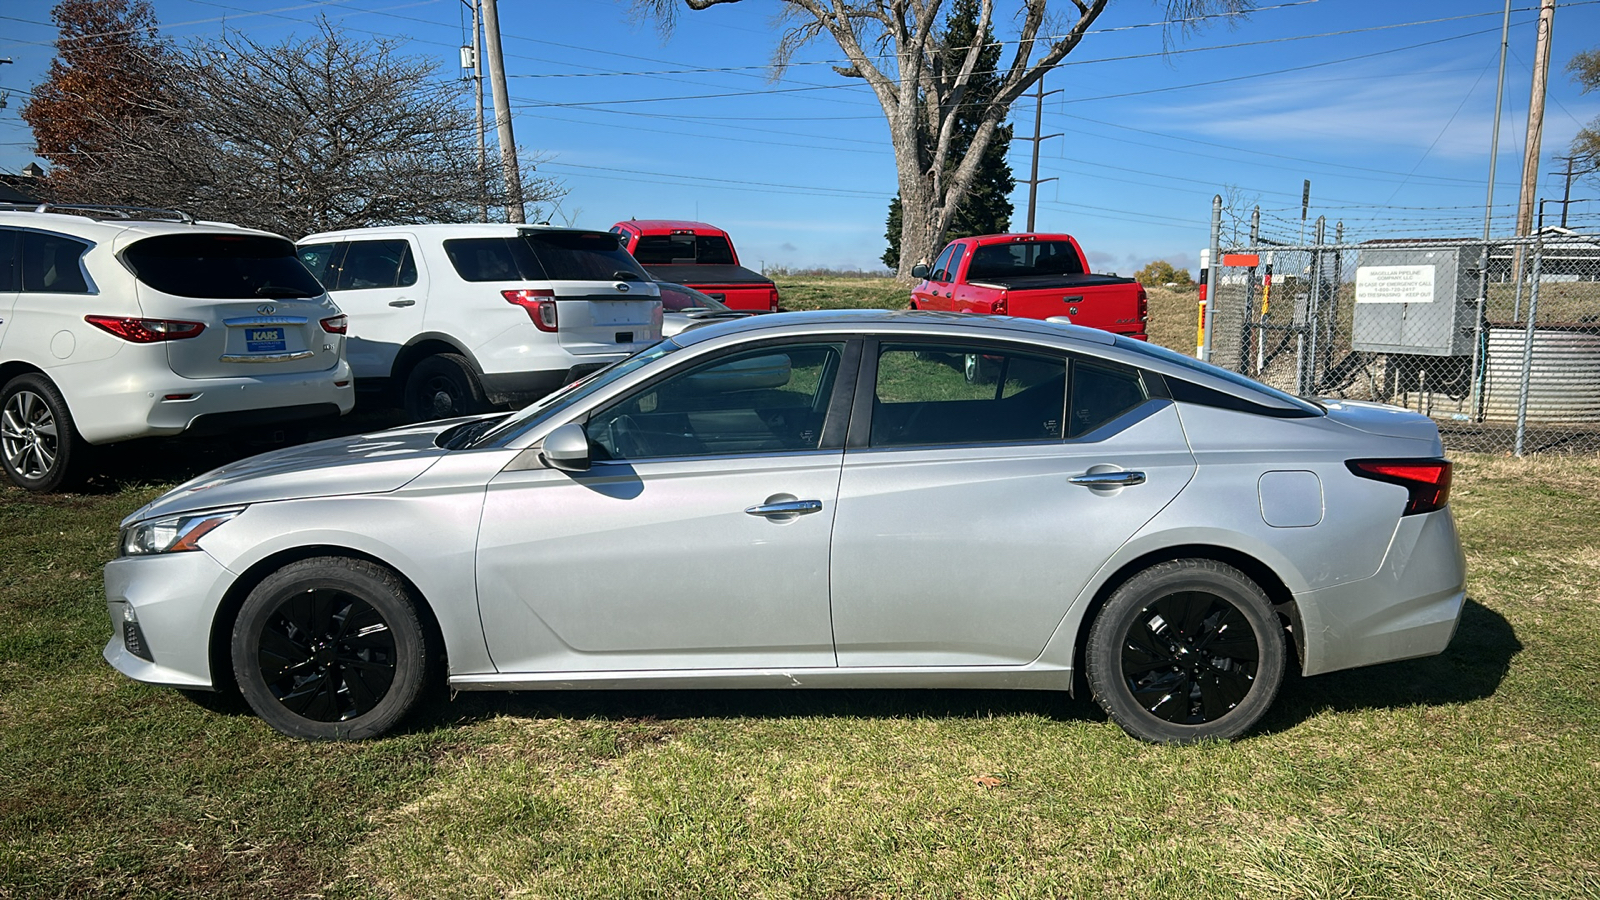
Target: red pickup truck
{"points": [[700, 256], [1032, 276]]}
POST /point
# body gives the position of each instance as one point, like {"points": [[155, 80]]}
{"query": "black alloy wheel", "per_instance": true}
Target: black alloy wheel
{"points": [[330, 648], [1186, 650]]}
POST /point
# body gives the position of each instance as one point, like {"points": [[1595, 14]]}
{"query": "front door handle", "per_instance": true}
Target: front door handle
{"points": [[788, 508], [1108, 479], [402, 303]]}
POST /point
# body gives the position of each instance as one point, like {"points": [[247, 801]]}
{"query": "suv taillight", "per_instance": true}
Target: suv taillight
{"points": [[540, 304], [1428, 480], [146, 331], [339, 324]]}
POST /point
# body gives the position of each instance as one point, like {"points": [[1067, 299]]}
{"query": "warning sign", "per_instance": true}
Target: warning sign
{"points": [[1394, 284]]}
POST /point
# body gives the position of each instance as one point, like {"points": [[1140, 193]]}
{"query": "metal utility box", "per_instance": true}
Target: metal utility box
{"points": [[1416, 300]]}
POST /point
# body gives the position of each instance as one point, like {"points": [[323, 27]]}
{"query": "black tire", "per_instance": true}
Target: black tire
{"points": [[39, 445], [444, 386], [1185, 651], [331, 649]]}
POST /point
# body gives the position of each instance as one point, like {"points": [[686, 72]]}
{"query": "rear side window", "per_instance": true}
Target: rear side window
{"points": [[950, 394], [53, 263], [221, 266], [583, 256], [1101, 392], [10, 262], [493, 259], [377, 264]]}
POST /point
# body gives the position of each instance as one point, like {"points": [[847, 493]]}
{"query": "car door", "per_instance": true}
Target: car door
{"points": [[934, 292], [699, 537], [381, 287], [987, 487]]}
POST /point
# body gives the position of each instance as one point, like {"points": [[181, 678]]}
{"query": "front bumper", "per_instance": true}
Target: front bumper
{"points": [[1409, 608], [175, 597]]}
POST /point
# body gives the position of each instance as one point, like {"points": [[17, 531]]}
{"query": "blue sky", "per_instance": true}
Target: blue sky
{"points": [[1387, 107]]}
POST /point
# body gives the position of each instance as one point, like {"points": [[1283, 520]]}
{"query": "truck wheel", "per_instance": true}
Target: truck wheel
{"points": [[39, 445], [444, 386], [1185, 651]]}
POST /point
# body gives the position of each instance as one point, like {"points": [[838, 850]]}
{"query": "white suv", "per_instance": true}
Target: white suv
{"points": [[453, 318], [118, 323]]}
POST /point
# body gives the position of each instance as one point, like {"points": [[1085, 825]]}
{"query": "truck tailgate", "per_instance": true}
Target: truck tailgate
{"points": [[1094, 301]]}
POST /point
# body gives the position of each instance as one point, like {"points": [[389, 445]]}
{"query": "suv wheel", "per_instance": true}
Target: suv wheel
{"points": [[442, 387], [38, 444]]}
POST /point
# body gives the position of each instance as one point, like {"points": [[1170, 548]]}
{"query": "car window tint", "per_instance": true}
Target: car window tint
{"points": [[1024, 259], [485, 259], [408, 268], [52, 263], [317, 258], [953, 267], [1101, 392], [939, 273], [665, 249], [582, 256], [371, 264], [221, 266], [954, 394], [770, 400], [713, 250], [10, 261]]}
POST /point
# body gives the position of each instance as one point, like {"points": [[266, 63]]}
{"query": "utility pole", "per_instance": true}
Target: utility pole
{"points": [[1530, 154], [502, 112], [477, 96], [1566, 192], [1038, 122]]}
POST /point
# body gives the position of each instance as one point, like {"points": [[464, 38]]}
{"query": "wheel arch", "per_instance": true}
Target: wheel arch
{"points": [[11, 368], [423, 346], [227, 613], [1263, 575]]}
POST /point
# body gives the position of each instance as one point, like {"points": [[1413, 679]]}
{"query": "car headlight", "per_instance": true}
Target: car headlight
{"points": [[173, 534]]}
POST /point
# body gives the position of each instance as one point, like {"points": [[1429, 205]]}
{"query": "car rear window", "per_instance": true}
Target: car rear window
{"points": [[493, 259], [1023, 259], [221, 266], [683, 250], [583, 256]]}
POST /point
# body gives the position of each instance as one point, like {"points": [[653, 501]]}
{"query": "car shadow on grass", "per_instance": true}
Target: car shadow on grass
{"points": [[1471, 668]]}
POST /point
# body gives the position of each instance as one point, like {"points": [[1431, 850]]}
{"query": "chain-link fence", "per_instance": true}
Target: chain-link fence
{"points": [[1509, 362]]}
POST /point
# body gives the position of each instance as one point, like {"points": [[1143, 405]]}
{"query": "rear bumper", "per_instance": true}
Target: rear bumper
{"points": [[138, 404], [1409, 608], [522, 388]]}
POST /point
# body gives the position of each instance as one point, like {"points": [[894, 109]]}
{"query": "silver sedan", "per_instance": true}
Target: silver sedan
{"points": [[893, 500]]}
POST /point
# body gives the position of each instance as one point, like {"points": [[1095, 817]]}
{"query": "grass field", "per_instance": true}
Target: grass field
{"points": [[1472, 774]]}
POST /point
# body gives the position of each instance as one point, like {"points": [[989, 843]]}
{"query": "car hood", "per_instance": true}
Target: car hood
{"points": [[364, 464], [1379, 419]]}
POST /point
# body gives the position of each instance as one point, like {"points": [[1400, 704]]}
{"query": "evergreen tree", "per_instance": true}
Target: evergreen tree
{"points": [[987, 206]]}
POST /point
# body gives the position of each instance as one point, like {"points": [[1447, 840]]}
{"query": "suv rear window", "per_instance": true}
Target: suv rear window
{"points": [[221, 266], [583, 256]]}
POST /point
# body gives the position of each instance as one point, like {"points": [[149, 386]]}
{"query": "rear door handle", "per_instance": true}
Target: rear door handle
{"points": [[402, 303], [1108, 479], [789, 508]]}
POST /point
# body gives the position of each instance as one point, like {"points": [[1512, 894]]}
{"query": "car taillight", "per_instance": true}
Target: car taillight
{"points": [[1428, 480], [1144, 305], [772, 299], [146, 331], [1000, 305], [336, 324], [540, 304]]}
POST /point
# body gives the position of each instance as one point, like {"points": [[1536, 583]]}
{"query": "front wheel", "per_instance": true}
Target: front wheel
{"points": [[330, 649], [1184, 651], [39, 445]]}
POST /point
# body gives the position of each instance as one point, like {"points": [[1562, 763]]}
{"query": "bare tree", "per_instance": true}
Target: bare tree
{"points": [[310, 135], [891, 45]]}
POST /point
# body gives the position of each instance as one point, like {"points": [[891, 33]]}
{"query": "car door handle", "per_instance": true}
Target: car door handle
{"points": [[402, 303], [789, 508], [1108, 479]]}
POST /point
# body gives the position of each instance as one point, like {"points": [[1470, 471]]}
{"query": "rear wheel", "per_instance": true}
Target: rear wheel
{"points": [[444, 386], [1184, 651], [39, 445], [330, 649]]}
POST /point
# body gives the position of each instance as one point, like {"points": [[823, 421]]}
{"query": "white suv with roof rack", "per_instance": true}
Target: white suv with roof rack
{"points": [[452, 319], [120, 323]]}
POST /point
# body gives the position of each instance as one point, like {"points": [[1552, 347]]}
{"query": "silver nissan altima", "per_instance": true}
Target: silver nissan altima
{"points": [[891, 500]]}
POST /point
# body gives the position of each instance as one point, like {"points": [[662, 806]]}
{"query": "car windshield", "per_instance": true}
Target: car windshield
{"points": [[221, 267], [1195, 365], [566, 397]]}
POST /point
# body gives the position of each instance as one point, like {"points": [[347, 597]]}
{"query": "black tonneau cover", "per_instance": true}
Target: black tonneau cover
{"points": [[693, 275], [1045, 282]]}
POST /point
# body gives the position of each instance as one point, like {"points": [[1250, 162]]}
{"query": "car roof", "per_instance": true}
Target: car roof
{"points": [[656, 225], [102, 230], [970, 325], [444, 229]]}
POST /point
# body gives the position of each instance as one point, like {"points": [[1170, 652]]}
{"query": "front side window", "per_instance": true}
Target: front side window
{"points": [[374, 264], [221, 266], [932, 394], [770, 400], [939, 271], [53, 263], [318, 259], [583, 256]]}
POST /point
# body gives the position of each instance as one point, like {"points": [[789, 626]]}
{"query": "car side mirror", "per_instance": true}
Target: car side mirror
{"points": [[567, 448], [919, 270]]}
